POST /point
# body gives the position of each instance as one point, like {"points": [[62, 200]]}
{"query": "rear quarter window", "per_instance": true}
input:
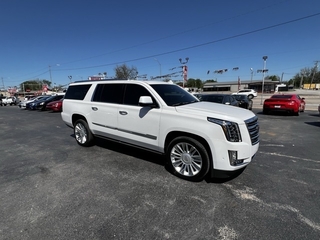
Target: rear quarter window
{"points": [[77, 92]]}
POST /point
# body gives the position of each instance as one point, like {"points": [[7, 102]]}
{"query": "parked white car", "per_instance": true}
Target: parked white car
{"points": [[250, 93], [10, 101], [23, 104], [196, 138]]}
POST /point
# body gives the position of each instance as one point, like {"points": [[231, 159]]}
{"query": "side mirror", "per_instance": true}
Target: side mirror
{"points": [[145, 101]]}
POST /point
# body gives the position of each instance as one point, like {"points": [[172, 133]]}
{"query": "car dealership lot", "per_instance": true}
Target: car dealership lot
{"points": [[51, 188]]}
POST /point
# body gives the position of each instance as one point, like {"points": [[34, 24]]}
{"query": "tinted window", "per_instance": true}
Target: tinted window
{"points": [[212, 98], [77, 92], [281, 96], [109, 93], [133, 93]]}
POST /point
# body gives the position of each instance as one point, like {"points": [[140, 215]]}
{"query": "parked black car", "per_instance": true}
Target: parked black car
{"points": [[220, 98], [29, 104], [244, 101], [42, 104]]}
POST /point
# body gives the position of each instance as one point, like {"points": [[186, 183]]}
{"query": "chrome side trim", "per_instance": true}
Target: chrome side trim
{"points": [[126, 131]]}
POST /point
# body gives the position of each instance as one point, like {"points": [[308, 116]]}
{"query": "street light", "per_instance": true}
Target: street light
{"points": [[185, 70], [263, 75], [251, 69], [70, 77], [160, 67]]}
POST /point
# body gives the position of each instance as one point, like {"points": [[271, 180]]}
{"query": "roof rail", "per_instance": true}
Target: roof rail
{"points": [[109, 79]]}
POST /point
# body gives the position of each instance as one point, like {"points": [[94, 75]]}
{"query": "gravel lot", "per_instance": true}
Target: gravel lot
{"points": [[51, 188]]}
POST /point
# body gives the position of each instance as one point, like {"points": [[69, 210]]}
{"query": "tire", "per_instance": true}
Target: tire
{"points": [[187, 159], [250, 96], [265, 111], [297, 113], [82, 133]]}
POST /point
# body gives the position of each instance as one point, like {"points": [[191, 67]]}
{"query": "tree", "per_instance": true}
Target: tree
{"points": [[194, 83], [305, 76], [125, 72], [210, 80], [34, 85], [273, 78]]}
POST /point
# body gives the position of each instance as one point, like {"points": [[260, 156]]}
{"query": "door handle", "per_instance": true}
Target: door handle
{"points": [[123, 112], [94, 108]]}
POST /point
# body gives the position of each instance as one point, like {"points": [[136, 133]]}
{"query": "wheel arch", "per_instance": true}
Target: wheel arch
{"points": [[174, 134], [76, 117]]}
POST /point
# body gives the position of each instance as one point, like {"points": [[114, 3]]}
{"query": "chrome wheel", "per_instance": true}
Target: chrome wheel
{"points": [[80, 133], [186, 159]]}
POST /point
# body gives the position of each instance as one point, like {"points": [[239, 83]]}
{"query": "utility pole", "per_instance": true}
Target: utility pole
{"points": [[50, 73], [301, 81], [264, 70], [314, 72], [281, 77], [2, 82], [184, 70]]}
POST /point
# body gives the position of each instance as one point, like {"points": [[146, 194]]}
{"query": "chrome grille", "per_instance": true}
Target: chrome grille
{"points": [[253, 128]]}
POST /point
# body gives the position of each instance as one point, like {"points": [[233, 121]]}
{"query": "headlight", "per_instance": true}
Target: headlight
{"points": [[230, 129]]}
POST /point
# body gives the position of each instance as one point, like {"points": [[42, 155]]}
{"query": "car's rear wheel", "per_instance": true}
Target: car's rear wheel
{"points": [[82, 133], [188, 159], [250, 96]]}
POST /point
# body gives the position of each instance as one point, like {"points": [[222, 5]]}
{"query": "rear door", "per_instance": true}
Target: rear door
{"points": [[104, 109]]}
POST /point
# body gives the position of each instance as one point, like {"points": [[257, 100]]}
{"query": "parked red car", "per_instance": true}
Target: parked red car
{"points": [[291, 103], [55, 106]]}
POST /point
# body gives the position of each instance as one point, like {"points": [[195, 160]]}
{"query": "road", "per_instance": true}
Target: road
{"points": [[51, 188]]}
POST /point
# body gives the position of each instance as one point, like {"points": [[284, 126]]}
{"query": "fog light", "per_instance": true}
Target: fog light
{"points": [[233, 158]]}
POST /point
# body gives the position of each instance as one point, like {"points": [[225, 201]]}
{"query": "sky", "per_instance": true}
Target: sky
{"points": [[69, 40]]}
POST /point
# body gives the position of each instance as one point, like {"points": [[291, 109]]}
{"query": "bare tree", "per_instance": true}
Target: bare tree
{"points": [[125, 72]]}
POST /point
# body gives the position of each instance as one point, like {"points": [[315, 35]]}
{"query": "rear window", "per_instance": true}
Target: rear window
{"points": [[281, 96], [77, 92]]}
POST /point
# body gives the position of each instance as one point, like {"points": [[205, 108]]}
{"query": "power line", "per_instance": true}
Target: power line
{"points": [[180, 33], [199, 45]]}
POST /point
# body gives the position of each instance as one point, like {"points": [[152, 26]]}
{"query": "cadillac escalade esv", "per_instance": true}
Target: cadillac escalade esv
{"points": [[196, 138]]}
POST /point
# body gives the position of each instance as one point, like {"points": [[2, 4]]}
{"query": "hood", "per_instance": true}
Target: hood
{"points": [[216, 110]]}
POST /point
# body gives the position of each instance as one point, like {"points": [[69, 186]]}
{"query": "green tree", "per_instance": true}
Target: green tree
{"points": [[305, 76], [273, 78], [125, 72], [210, 80], [34, 85]]}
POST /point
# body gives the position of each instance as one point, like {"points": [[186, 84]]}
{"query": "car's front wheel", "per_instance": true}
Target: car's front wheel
{"points": [[82, 133], [187, 158]]}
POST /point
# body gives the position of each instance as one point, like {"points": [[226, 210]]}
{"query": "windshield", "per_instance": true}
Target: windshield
{"points": [[281, 96], [212, 98], [240, 97], [173, 95]]}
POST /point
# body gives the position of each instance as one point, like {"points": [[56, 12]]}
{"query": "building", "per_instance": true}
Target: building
{"points": [[234, 86]]}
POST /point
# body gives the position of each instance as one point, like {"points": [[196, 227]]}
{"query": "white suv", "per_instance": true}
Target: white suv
{"points": [[196, 137], [250, 93]]}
